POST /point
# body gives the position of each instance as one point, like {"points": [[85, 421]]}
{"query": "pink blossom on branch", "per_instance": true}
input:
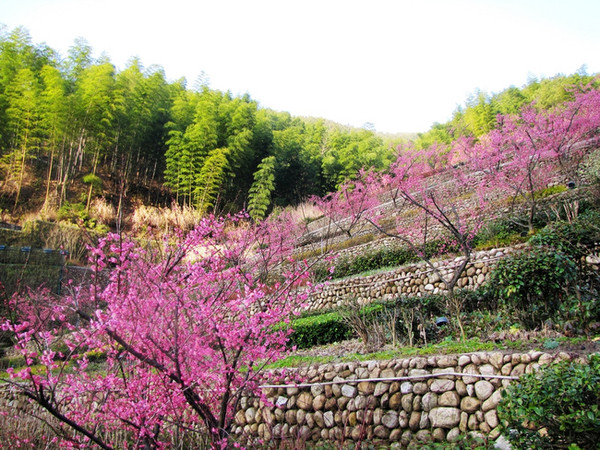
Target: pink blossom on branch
{"points": [[534, 149], [347, 208], [430, 200], [185, 333]]}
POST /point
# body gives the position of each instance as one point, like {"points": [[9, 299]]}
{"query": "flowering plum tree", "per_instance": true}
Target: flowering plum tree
{"points": [[185, 329], [531, 150], [570, 130], [347, 208], [430, 197]]}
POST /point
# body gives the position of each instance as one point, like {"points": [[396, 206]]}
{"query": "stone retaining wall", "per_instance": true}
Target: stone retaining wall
{"points": [[410, 280], [389, 402]]}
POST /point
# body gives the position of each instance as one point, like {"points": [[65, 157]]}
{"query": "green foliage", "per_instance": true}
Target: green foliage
{"points": [[93, 180], [317, 251], [498, 233], [211, 178], [80, 115], [463, 442], [11, 361], [563, 400], [480, 115], [532, 285], [319, 330], [408, 320], [71, 212], [76, 213], [326, 328], [581, 309], [447, 346], [438, 134], [259, 197], [477, 300], [375, 260], [576, 239], [551, 190], [378, 259]]}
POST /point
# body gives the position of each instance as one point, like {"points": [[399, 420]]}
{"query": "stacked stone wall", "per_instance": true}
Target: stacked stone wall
{"points": [[393, 402], [410, 280]]}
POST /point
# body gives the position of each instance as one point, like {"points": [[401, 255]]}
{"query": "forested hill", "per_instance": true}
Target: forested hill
{"points": [[73, 129]]}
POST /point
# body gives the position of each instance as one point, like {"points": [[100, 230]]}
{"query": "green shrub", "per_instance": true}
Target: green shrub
{"points": [[383, 258], [498, 233], [11, 361], [555, 407], [574, 239], [551, 190], [379, 259], [76, 213], [319, 330], [325, 328], [582, 308], [532, 285], [402, 319], [477, 300], [463, 442]]}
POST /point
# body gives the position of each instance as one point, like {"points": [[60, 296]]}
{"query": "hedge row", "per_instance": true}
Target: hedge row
{"points": [[378, 259]]}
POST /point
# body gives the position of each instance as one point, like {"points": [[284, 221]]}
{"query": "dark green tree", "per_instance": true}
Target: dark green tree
{"points": [[211, 179], [259, 198], [22, 116]]}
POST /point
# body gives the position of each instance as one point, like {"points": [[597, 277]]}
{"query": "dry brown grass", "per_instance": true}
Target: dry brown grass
{"points": [[29, 427], [103, 211], [305, 212], [164, 220]]}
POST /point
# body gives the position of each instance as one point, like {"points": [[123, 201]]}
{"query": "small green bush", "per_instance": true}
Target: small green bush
{"points": [[532, 285], [555, 407], [379, 259], [551, 190], [581, 309], [11, 361], [477, 300], [498, 233], [574, 239], [464, 442], [76, 213], [404, 319], [319, 330]]}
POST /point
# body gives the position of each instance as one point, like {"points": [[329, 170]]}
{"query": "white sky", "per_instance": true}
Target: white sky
{"points": [[399, 64]]}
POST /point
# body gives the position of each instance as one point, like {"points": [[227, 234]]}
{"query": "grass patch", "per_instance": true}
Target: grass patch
{"points": [[446, 347]]}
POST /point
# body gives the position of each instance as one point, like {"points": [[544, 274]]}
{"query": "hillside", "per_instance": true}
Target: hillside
{"points": [[455, 264], [443, 356], [82, 141]]}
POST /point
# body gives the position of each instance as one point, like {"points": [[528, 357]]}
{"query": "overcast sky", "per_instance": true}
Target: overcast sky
{"points": [[400, 65]]}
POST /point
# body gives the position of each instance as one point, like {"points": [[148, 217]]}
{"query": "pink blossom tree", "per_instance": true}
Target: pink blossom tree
{"points": [[570, 130], [512, 166], [347, 208], [531, 150], [430, 200], [185, 330]]}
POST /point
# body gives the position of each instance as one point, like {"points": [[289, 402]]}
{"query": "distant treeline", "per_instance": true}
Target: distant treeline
{"points": [[73, 128]]}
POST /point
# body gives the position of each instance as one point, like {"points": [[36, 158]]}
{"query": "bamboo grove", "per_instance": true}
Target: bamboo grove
{"points": [[73, 128]]}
